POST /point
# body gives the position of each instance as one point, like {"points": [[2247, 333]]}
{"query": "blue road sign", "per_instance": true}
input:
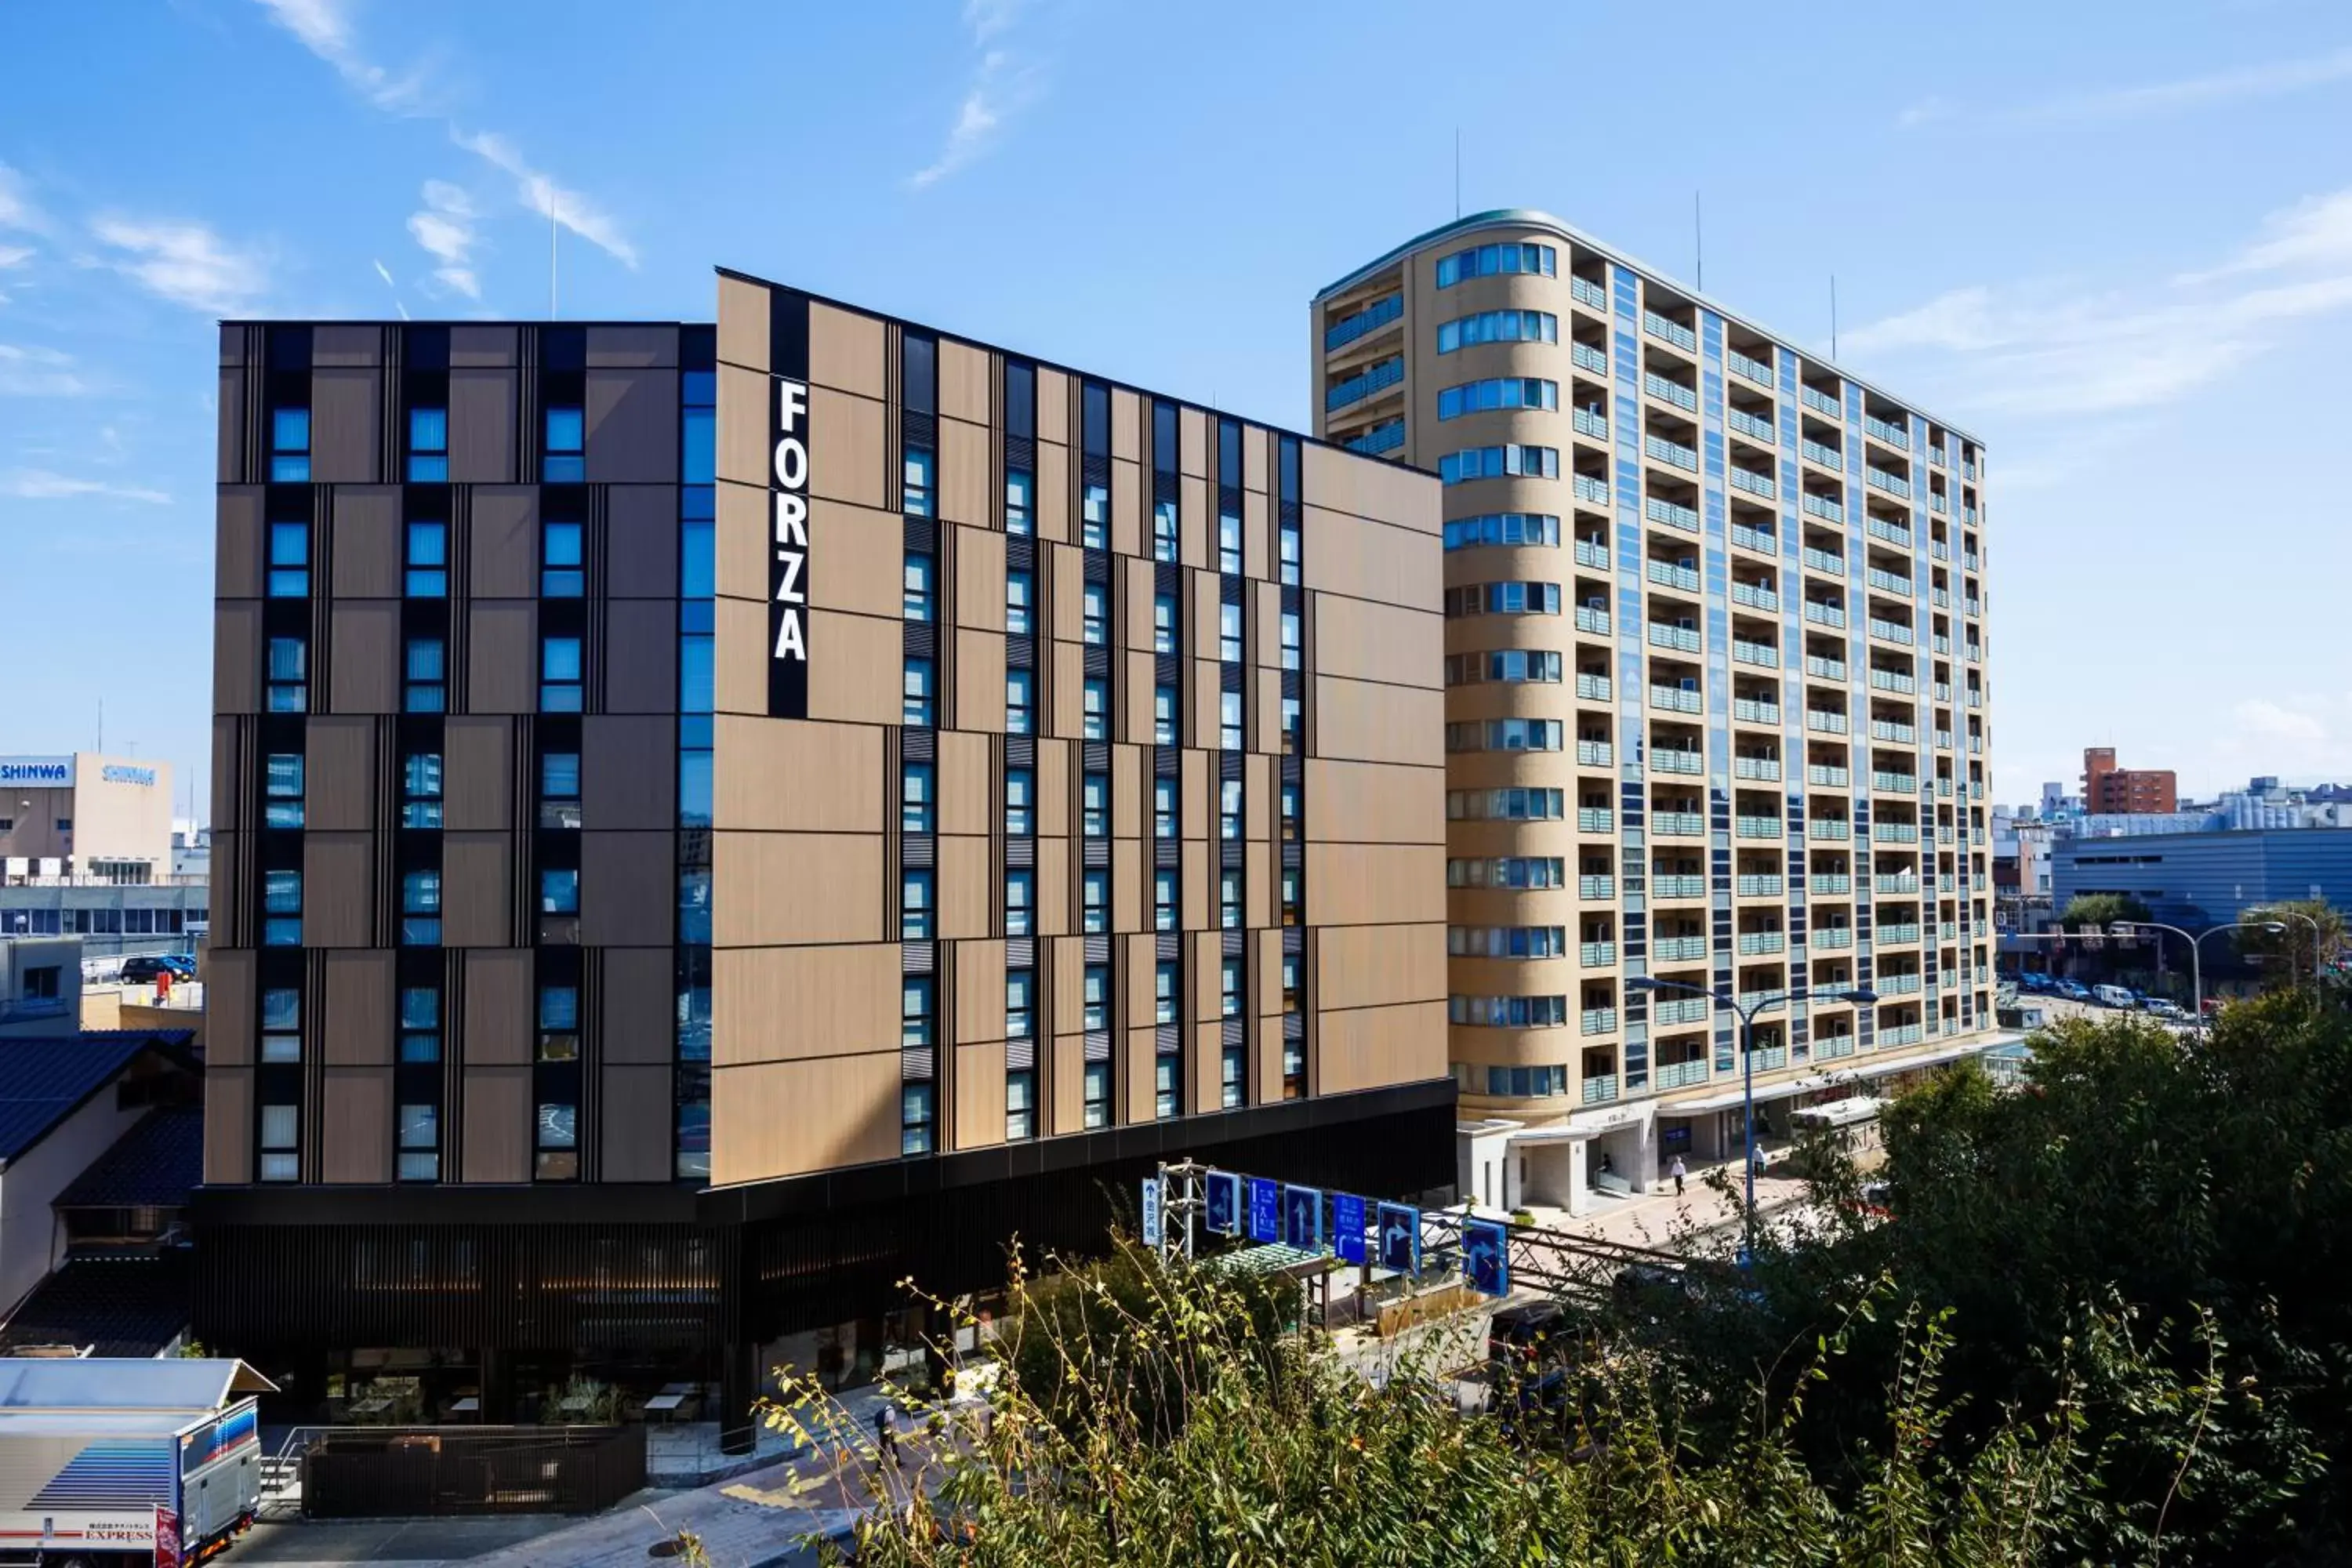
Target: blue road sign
{"points": [[1265, 1209], [1223, 1214], [1302, 1218], [1400, 1227], [1486, 1256], [1154, 1234], [1347, 1226]]}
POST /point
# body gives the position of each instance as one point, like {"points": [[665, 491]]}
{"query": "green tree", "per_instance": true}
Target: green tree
{"points": [[2097, 912], [2313, 937]]}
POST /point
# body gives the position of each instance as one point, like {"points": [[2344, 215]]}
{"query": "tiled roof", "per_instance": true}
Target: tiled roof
{"points": [[112, 1306], [45, 1079], [153, 1165]]}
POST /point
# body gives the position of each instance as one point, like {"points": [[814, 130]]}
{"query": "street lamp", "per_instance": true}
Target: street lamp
{"points": [[1747, 1012], [2316, 939], [2195, 946]]}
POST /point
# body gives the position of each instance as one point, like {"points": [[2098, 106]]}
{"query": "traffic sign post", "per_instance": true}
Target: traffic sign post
{"points": [[1348, 1228], [1223, 1203], [1302, 1218], [1400, 1229], [1265, 1210], [1154, 1226], [1485, 1257]]}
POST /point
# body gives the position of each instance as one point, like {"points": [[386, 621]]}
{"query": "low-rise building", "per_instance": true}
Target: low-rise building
{"points": [[40, 986], [82, 815], [2202, 879]]}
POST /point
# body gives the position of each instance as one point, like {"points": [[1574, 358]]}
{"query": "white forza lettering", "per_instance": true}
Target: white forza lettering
{"points": [[789, 486]]}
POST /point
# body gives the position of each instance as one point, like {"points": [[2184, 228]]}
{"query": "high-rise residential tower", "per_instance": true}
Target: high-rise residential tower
{"points": [[715, 821], [1715, 700]]}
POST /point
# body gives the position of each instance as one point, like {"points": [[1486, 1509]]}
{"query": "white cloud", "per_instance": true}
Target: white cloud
{"points": [[40, 484], [444, 227], [542, 195], [2234, 86], [33, 372], [324, 27], [14, 256], [385, 273], [185, 263], [17, 208], [1003, 85], [2056, 350]]}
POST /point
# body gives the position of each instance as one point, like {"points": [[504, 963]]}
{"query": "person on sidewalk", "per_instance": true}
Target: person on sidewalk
{"points": [[1678, 1174], [886, 1433]]}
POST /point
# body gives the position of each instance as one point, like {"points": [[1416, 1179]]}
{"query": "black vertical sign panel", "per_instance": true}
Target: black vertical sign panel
{"points": [[791, 450]]}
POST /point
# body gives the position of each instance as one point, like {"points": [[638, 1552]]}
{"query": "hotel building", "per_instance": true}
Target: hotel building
{"points": [[1715, 701], [711, 821]]}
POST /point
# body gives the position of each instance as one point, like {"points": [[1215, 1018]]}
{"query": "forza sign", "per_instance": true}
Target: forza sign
{"points": [[788, 505]]}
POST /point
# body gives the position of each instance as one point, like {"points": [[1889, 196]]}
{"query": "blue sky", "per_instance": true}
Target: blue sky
{"points": [[2113, 240]]}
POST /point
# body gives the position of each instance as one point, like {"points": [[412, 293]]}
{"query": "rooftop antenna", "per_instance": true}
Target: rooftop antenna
{"points": [[1833, 353], [1699, 243], [101, 726]]}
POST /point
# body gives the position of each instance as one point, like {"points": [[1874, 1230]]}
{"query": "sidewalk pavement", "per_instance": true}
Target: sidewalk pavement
{"points": [[1666, 1223]]}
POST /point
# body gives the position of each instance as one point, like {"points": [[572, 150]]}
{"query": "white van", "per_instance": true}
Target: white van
{"points": [[2113, 997]]}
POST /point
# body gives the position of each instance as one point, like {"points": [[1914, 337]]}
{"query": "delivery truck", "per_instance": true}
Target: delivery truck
{"points": [[106, 1463]]}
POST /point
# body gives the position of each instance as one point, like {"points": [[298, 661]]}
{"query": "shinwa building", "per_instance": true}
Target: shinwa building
{"points": [[1715, 701], [714, 821]]}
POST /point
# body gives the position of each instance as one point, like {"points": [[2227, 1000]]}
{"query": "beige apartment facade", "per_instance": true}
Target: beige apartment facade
{"points": [[80, 814], [1716, 709]]}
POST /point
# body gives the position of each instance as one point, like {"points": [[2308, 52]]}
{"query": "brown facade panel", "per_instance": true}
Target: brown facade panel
{"points": [[502, 657], [241, 543], [628, 889], [856, 667], [1067, 1086], [846, 464], [1364, 883], [355, 1125], [979, 991], [978, 1114], [237, 656], [367, 553], [1359, 640], [1365, 1047], [346, 344], [1052, 480], [631, 345], [760, 1125], [1390, 491], [967, 384], [631, 419], [481, 345], [746, 444], [229, 1025], [636, 1117], [1052, 405], [1379, 965], [228, 1124], [483, 411], [641, 542], [740, 555], [966, 894], [980, 580], [1139, 1050], [338, 889], [797, 776], [476, 890], [339, 775], [966, 783], [743, 323], [477, 783], [980, 681], [497, 1022], [784, 1003], [965, 460], [796, 887], [505, 533], [229, 456], [1358, 721], [365, 665], [498, 1124], [359, 1011], [640, 1002], [626, 777], [1374, 802], [641, 655], [1363, 558], [346, 418], [858, 560], [845, 350]]}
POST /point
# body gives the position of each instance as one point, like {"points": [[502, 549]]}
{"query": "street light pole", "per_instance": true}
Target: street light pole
{"points": [[2196, 947]]}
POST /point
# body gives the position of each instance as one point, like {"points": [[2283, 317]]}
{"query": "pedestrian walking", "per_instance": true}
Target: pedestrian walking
{"points": [[886, 1433], [1678, 1174]]}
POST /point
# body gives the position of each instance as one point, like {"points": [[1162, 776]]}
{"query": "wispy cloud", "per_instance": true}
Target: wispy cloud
{"points": [[1004, 82], [185, 263], [444, 227], [542, 195], [398, 304], [2240, 84], [34, 372], [324, 27], [2051, 350], [41, 484], [16, 209]]}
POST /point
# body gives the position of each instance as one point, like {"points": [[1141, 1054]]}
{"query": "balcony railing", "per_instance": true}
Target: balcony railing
{"points": [[1895, 832], [1747, 365], [1896, 935], [1588, 489], [1827, 1047], [1828, 776], [1373, 316], [1684, 639], [1372, 378], [1822, 507], [1824, 560], [1681, 1010], [1892, 631], [1900, 734], [1893, 484], [1678, 887], [1666, 574], [1829, 827], [1831, 882], [1380, 438], [1666, 760], [1896, 984], [1593, 553], [1755, 942], [1584, 356], [1827, 457], [1672, 392], [1824, 669], [1596, 887], [1755, 596], [1941, 597], [1674, 699], [1675, 452], [1679, 1075], [1831, 937], [1594, 754], [1588, 619], [1763, 769], [1591, 688], [1591, 423], [1757, 653], [1771, 1058], [1602, 1090], [1893, 436], [1826, 723], [1752, 425], [1755, 711], [1887, 582], [1900, 783], [1674, 333], [1678, 950], [1596, 819], [1595, 954], [1822, 615], [1893, 532], [1820, 402], [1585, 291], [1894, 680], [1756, 827], [1677, 824], [1757, 886], [1898, 882], [1754, 484], [1598, 1020], [1755, 539], [1938, 501]]}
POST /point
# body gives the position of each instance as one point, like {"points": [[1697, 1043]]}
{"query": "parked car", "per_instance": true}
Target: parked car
{"points": [[143, 970], [2170, 1012], [2114, 996], [2033, 979], [2073, 989]]}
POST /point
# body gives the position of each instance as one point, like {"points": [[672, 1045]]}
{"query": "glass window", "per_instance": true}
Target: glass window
{"points": [[289, 559], [915, 1119], [915, 798], [1229, 808], [919, 588], [915, 906], [1229, 544], [1293, 720], [558, 891], [1229, 899], [1163, 624], [1020, 717], [1291, 967], [1289, 799], [1020, 816], [420, 782], [1095, 997], [1164, 992], [427, 571], [1019, 1104], [1230, 1075], [559, 674], [916, 493], [1094, 517], [1094, 610], [1163, 808], [1163, 716], [558, 1158], [1020, 1004], [1095, 710], [563, 573], [1097, 1094], [420, 1024], [1229, 633], [281, 908], [1163, 531], [1229, 721], [564, 462], [1288, 541], [1163, 1083], [1290, 891], [1094, 902], [1163, 900], [420, 909], [428, 446], [1291, 637], [280, 1129], [421, 689], [916, 709], [1094, 806], [1019, 501], [289, 664], [290, 446], [1020, 903], [1230, 989], [420, 1143], [283, 807], [1020, 591], [558, 1023], [281, 1025], [915, 1010], [558, 789]]}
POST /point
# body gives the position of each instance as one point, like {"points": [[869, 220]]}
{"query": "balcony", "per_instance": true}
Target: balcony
{"points": [[1770, 1059], [1895, 935], [1896, 984], [1674, 452], [1673, 332], [1759, 768], [1601, 1090], [1894, 833], [1824, 669], [1372, 378], [1897, 784], [1600, 886], [1827, 1047], [1889, 730], [1588, 619], [1678, 887], [1895, 533], [1754, 369], [1381, 437], [1674, 699], [1828, 776], [1941, 597], [1759, 887], [1673, 392], [1822, 615], [1681, 1010], [1826, 456], [1591, 423], [1681, 639], [1596, 819], [1666, 574], [1755, 944], [1888, 583], [1756, 827], [1830, 937], [1753, 427], [1596, 954], [1588, 293], [1820, 402], [1831, 827], [1762, 654], [1822, 507], [1678, 950], [1755, 711], [1668, 760], [1595, 554], [1677, 824], [1893, 436], [1594, 754], [1896, 882], [1597, 1021], [1892, 680], [1756, 596], [1760, 539], [1585, 357], [1938, 501], [1370, 319], [1824, 722], [1831, 882], [1824, 560], [1892, 631], [1591, 688], [1893, 484], [1680, 1075], [1595, 490], [1754, 484]]}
